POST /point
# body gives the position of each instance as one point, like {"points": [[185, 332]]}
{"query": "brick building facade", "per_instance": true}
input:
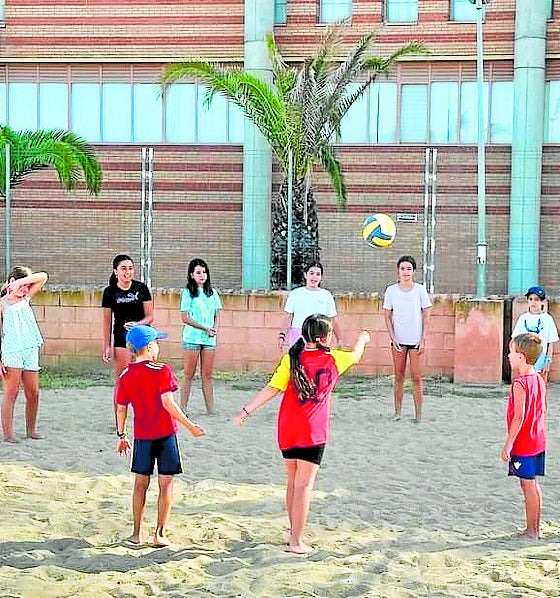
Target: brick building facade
{"points": [[199, 184]]}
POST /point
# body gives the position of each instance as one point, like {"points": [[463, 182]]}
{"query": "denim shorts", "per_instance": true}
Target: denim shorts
{"points": [[26, 359], [198, 347]]}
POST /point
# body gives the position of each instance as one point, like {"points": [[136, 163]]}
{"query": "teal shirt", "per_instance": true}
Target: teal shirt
{"points": [[202, 309]]}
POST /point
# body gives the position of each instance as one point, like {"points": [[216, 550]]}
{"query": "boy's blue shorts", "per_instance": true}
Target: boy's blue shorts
{"points": [[164, 451], [527, 467]]}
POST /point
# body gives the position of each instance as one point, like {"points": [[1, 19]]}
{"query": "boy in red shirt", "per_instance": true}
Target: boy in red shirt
{"points": [[525, 444], [149, 386]]}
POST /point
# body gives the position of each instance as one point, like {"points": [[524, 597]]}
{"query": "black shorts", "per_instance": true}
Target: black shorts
{"points": [[408, 347], [312, 454]]}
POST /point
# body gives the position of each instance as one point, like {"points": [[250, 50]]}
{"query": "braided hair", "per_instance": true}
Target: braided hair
{"points": [[314, 328]]}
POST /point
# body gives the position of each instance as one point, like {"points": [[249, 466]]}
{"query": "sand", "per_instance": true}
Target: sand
{"points": [[400, 509]]}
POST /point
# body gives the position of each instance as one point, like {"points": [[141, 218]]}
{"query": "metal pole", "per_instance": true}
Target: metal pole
{"points": [[433, 221], [8, 211], [426, 203], [290, 220], [481, 153], [150, 216], [143, 218]]}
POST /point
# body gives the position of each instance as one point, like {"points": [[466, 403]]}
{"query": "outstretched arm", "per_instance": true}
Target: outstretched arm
{"points": [[176, 412], [359, 347], [262, 397]]}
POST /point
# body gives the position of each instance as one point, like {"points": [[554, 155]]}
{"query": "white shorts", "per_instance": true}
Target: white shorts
{"points": [[26, 359]]}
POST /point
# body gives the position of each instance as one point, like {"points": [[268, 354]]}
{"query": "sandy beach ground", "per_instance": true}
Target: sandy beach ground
{"points": [[400, 509]]}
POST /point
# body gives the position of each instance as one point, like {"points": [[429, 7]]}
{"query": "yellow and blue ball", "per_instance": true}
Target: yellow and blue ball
{"points": [[379, 230]]}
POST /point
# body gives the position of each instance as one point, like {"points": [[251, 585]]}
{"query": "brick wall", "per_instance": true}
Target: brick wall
{"points": [[198, 212], [164, 30], [464, 342]]}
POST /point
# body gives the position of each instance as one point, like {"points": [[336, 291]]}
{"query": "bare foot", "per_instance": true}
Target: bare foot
{"points": [[160, 540], [299, 548], [534, 535], [34, 436], [11, 439], [133, 540]]}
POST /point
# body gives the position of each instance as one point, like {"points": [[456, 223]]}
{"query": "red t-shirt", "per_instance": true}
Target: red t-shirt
{"points": [[142, 385], [306, 422], [531, 439]]}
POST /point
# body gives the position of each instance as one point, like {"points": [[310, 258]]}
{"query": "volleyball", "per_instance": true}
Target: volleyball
{"points": [[379, 230]]}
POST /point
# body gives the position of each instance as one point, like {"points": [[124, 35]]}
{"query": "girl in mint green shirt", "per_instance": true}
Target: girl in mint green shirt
{"points": [[200, 304]]}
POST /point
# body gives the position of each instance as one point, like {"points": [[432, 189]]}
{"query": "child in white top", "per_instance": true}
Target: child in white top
{"points": [[306, 301], [21, 340], [407, 308], [537, 320]]}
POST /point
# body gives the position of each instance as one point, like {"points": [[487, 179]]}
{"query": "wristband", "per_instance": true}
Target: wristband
{"points": [[121, 435], [282, 334], [245, 411]]}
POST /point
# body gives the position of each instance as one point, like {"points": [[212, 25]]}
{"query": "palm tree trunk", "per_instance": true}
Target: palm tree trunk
{"points": [[305, 234]]}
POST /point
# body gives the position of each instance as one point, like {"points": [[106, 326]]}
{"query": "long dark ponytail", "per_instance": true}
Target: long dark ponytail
{"points": [[314, 328]]}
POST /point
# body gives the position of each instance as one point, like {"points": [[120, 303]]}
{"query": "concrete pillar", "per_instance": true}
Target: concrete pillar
{"points": [[257, 156], [528, 125]]}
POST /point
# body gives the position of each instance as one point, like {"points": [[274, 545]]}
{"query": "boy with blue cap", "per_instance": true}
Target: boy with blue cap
{"points": [[149, 386], [538, 321]]}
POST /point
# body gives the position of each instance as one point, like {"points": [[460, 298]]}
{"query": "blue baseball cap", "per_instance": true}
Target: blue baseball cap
{"points": [[536, 290], [141, 336]]}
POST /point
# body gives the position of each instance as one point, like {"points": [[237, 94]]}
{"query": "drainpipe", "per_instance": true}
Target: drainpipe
{"points": [[526, 148], [257, 156]]}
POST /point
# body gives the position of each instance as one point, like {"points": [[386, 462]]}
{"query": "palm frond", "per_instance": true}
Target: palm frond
{"points": [[67, 153]]}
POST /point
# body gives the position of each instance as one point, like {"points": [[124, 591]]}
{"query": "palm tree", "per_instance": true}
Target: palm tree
{"points": [[300, 115], [67, 153]]}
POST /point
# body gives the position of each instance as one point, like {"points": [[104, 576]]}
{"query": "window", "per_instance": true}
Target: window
{"points": [[552, 114], [22, 106], [85, 106], [414, 113], [236, 124], [147, 112], [280, 14], [501, 113], [212, 120], [53, 106], [463, 10], [444, 112], [469, 111], [383, 112], [354, 127], [332, 11], [180, 113], [116, 112], [401, 11]]}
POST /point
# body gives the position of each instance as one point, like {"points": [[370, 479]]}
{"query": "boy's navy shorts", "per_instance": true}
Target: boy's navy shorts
{"points": [[527, 467], [164, 451]]}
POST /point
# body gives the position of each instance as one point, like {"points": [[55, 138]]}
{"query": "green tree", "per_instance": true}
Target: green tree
{"points": [[300, 113], [71, 157]]}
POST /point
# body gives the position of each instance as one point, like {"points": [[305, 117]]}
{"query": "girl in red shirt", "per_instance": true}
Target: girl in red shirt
{"points": [[307, 376]]}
